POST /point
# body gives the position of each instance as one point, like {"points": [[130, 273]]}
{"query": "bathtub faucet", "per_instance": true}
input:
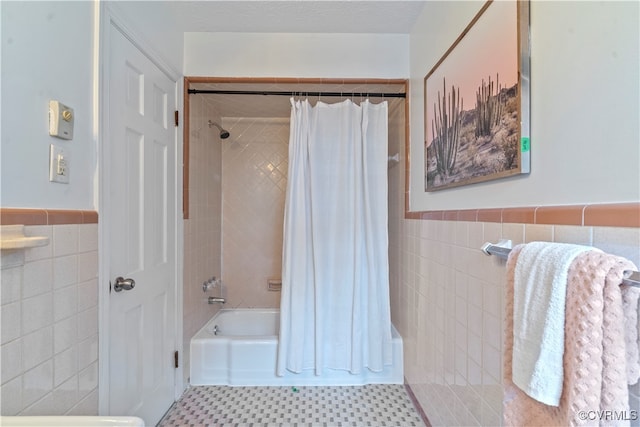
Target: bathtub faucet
{"points": [[213, 300]]}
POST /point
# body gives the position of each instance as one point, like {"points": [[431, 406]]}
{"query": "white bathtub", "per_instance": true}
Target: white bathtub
{"points": [[244, 352], [70, 421]]}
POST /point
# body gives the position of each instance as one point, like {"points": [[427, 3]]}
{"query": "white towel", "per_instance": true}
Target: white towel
{"points": [[540, 285]]}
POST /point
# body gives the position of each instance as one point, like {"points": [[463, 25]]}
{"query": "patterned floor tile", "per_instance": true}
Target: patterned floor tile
{"points": [[375, 405]]}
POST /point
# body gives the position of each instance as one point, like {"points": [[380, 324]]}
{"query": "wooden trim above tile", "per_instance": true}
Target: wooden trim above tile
{"points": [[13, 216], [468, 215], [437, 215], [524, 215], [489, 215], [412, 215], [606, 215], [293, 80], [618, 214], [560, 215], [185, 149]]}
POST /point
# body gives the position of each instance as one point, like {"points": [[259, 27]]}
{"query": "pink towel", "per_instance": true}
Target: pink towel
{"points": [[601, 348]]}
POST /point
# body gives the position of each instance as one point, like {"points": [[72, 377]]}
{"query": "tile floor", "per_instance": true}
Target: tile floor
{"points": [[370, 405]]}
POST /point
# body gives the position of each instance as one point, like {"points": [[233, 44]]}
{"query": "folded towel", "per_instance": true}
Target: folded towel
{"points": [[540, 285], [600, 318], [631, 324]]}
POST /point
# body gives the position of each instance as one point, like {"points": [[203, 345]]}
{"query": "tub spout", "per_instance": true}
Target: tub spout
{"points": [[213, 300]]}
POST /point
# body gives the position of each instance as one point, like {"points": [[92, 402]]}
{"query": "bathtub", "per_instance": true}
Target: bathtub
{"points": [[243, 352], [70, 421]]}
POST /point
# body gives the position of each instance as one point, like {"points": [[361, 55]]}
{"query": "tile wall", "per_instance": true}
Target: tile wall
{"points": [[49, 334], [447, 303], [447, 300], [202, 230], [254, 182]]}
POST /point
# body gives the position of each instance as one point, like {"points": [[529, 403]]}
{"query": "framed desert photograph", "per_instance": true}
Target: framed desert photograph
{"points": [[477, 101]]}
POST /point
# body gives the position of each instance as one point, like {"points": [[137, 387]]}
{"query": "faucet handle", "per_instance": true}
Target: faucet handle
{"points": [[210, 283]]}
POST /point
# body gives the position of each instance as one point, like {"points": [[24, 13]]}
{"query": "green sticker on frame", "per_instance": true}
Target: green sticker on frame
{"points": [[525, 145]]}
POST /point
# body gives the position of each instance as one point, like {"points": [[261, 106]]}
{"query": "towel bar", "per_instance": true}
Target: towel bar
{"points": [[503, 247]]}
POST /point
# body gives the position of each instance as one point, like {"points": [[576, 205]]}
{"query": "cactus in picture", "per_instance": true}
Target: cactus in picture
{"points": [[445, 129], [488, 107]]}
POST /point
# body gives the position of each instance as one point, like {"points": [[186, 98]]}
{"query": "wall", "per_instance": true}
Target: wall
{"points": [[254, 182], [296, 55], [49, 294], [447, 297], [202, 231], [252, 221], [254, 179], [48, 53], [35, 69], [50, 323], [585, 117], [447, 303]]}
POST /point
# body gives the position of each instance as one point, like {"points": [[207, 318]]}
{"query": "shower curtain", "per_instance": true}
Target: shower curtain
{"points": [[334, 311]]}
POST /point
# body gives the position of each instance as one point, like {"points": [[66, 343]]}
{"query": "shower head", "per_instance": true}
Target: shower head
{"points": [[224, 134]]}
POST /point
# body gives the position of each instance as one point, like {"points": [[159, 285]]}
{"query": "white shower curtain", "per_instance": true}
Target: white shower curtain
{"points": [[335, 272]]}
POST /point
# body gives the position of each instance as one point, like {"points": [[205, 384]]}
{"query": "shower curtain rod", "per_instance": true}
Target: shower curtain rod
{"points": [[298, 93]]}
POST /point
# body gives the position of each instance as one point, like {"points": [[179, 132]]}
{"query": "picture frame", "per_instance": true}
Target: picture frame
{"points": [[476, 101]]}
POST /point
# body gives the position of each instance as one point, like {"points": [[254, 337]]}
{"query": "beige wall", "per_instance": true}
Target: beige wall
{"points": [[202, 231], [299, 55], [575, 153]]}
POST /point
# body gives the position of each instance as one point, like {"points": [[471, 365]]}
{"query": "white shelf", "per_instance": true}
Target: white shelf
{"points": [[12, 237]]}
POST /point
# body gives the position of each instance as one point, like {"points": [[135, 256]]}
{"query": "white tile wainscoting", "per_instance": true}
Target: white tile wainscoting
{"points": [[50, 323], [447, 302]]}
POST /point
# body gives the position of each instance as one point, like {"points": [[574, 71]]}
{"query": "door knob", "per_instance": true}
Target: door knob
{"points": [[123, 284]]}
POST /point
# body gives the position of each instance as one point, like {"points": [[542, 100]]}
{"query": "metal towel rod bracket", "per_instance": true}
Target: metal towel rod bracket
{"points": [[503, 247]]}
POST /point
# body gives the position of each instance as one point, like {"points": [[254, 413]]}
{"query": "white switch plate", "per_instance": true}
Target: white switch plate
{"points": [[61, 119], [58, 165]]}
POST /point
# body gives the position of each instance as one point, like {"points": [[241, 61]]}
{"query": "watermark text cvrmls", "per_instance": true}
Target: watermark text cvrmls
{"points": [[607, 415]]}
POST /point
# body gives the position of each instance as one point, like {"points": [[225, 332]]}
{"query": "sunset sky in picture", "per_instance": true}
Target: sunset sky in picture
{"points": [[489, 48]]}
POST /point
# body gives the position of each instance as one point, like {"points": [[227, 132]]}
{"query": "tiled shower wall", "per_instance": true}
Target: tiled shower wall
{"points": [[447, 303], [202, 230], [254, 182], [50, 323]]}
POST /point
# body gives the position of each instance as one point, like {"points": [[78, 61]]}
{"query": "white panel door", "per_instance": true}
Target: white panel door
{"points": [[142, 147]]}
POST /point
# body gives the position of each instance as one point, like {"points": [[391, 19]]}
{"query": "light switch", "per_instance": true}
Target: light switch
{"points": [[61, 119], [58, 165]]}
